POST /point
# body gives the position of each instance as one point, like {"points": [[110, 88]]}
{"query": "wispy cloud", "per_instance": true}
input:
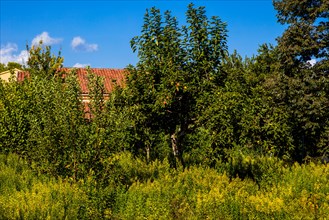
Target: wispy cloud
{"points": [[46, 39], [81, 65], [8, 53], [80, 44]]}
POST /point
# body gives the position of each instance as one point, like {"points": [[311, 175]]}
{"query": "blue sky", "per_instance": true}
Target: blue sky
{"points": [[98, 33]]}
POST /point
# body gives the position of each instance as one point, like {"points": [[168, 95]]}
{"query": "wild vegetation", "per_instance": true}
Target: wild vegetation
{"points": [[195, 133], [138, 190]]}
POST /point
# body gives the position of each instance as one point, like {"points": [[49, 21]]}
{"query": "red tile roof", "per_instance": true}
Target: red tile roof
{"points": [[111, 77]]}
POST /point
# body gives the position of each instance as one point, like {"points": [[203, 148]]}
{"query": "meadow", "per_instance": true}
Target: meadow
{"points": [[155, 191]]}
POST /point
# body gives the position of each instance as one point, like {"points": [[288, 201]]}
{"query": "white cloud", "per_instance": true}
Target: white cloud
{"points": [[77, 41], [80, 44], [312, 62], [46, 39], [8, 54], [81, 65], [8, 49]]}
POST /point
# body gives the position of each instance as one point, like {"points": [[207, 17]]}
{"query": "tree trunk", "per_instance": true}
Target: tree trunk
{"points": [[178, 157], [148, 154], [174, 144]]}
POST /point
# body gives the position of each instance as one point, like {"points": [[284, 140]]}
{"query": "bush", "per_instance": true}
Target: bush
{"points": [[137, 190], [261, 169], [25, 195], [294, 192]]}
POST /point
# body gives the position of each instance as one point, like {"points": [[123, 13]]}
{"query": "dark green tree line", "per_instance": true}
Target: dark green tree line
{"points": [[303, 87], [187, 99]]}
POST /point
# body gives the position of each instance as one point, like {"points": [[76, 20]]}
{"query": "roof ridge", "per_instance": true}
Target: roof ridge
{"points": [[110, 75], [94, 68]]}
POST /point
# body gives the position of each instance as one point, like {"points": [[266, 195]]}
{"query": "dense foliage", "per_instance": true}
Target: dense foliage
{"points": [[10, 66], [196, 132]]}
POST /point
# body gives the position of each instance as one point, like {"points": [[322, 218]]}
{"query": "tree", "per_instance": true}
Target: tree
{"points": [[10, 66], [42, 62], [307, 36], [13, 65], [177, 65], [301, 87], [42, 117], [2, 67]]}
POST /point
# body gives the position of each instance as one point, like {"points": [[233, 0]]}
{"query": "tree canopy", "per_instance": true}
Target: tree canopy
{"points": [[177, 65], [307, 35]]}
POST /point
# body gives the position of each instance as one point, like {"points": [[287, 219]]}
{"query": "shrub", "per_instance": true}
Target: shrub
{"points": [[25, 195]]}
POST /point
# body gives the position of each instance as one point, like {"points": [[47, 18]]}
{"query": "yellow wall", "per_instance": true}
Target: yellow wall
{"points": [[7, 74]]}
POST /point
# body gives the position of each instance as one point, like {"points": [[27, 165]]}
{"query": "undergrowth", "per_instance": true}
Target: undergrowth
{"points": [[138, 190]]}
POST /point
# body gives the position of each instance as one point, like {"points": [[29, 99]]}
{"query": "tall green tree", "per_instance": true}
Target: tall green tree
{"points": [[177, 65], [307, 35], [42, 62], [303, 87]]}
